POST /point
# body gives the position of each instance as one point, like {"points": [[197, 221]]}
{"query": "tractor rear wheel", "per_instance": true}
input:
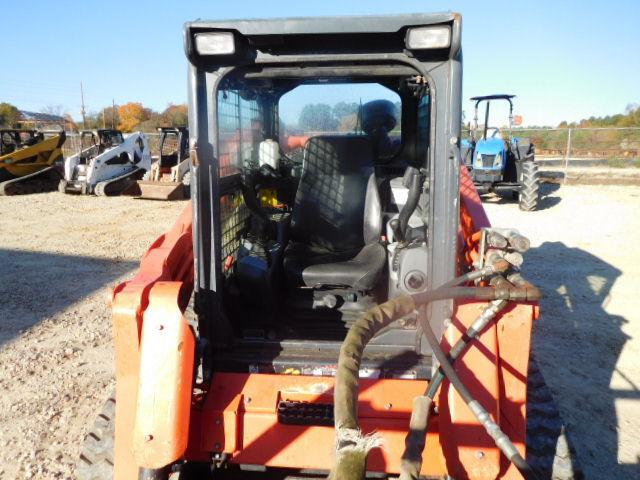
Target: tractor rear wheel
{"points": [[549, 450], [529, 186]]}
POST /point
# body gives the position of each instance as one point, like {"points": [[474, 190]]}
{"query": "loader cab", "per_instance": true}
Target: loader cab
{"points": [[9, 141], [88, 146], [109, 138], [174, 146], [13, 139], [315, 147]]}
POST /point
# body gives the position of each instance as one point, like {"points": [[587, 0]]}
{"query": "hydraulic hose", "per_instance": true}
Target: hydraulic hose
{"points": [[502, 441], [421, 412], [479, 324], [351, 447], [499, 266], [409, 207]]}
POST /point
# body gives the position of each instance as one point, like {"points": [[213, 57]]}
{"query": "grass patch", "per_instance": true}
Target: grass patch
{"points": [[620, 162]]}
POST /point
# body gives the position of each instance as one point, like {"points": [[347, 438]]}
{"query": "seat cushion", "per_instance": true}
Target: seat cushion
{"points": [[311, 267]]}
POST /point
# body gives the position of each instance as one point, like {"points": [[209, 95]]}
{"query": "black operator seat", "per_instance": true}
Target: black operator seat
{"points": [[336, 218]]}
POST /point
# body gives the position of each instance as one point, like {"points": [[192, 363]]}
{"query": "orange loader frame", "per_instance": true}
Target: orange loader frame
{"points": [[158, 422]]}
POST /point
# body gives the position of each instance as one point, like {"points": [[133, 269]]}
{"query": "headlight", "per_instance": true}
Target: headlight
{"points": [[497, 162], [423, 38], [215, 43]]}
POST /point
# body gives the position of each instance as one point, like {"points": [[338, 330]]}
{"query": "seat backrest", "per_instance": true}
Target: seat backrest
{"points": [[337, 205]]}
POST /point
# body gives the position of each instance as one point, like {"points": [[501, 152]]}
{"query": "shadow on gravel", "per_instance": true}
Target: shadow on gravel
{"points": [[577, 344], [35, 285]]}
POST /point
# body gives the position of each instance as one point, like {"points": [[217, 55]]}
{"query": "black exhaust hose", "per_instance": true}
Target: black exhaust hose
{"points": [[502, 441]]}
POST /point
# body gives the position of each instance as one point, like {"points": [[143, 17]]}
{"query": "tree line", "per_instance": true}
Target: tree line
{"points": [[321, 117], [630, 118], [129, 117]]}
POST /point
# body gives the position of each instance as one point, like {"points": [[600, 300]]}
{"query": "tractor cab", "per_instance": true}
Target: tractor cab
{"points": [[492, 144], [498, 161]]}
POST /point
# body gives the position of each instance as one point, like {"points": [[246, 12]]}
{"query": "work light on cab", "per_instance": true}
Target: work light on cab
{"points": [[424, 38], [215, 43]]}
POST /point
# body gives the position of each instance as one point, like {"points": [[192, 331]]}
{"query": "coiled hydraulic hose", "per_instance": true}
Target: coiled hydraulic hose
{"points": [[351, 447]]}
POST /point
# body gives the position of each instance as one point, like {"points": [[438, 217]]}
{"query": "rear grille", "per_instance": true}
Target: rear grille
{"points": [[305, 413], [487, 160]]}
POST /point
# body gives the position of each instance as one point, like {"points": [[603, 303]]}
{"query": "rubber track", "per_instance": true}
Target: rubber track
{"points": [[115, 186], [529, 195], [96, 458], [549, 450], [45, 180]]}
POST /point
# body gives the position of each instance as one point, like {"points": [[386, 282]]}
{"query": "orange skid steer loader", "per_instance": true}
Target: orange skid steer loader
{"points": [[333, 301]]}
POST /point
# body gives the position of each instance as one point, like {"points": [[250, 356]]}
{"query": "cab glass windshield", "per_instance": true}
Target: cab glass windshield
{"points": [[364, 109]]}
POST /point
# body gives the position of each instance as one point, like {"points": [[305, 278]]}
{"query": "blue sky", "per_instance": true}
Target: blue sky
{"points": [[564, 60]]}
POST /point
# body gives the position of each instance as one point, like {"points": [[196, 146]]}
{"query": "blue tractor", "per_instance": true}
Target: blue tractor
{"points": [[498, 161]]}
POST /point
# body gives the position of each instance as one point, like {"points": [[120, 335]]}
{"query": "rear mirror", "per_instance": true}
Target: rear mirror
{"points": [[517, 120]]}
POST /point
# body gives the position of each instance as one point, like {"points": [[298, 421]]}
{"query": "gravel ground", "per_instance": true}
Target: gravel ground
{"points": [[56, 355], [587, 341], [61, 255]]}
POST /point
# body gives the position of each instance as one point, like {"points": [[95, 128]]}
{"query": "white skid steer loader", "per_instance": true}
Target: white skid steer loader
{"points": [[107, 163]]}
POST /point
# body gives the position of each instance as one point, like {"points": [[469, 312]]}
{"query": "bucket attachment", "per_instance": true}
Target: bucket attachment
{"points": [[161, 190]]}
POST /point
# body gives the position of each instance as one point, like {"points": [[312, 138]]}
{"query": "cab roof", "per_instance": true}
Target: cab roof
{"points": [[323, 25], [496, 96]]}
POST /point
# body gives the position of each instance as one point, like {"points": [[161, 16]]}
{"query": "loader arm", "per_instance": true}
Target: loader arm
{"points": [[168, 260]]}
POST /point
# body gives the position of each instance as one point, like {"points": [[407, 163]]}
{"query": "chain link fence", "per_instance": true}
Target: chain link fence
{"points": [[72, 143], [607, 147], [560, 152]]}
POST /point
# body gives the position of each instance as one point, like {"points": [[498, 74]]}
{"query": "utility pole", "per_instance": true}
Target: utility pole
{"points": [[113, 113], [82, 110], [104, 120]]}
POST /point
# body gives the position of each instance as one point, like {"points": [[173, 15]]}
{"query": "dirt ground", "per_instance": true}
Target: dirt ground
{"points": [[587, 340], [61, 255]]}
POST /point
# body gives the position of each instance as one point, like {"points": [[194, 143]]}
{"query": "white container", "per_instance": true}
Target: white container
{"points": [[269, 154]]}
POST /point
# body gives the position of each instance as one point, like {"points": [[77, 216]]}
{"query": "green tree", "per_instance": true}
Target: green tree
{"points": [[344, 109], [318, 117], [9, 114]]}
